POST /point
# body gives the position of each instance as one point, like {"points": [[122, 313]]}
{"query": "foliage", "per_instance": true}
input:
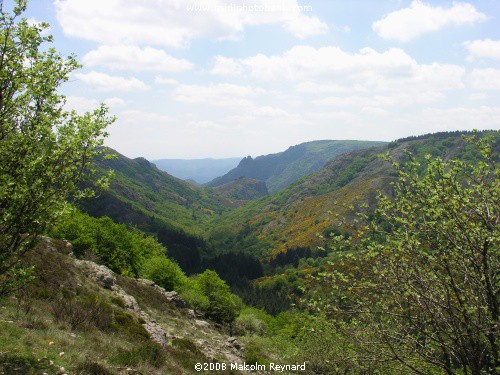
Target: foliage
{"points": [[123, 249], [45, 151], [147, 352], [425, 292], [163, 272], [223, 306]]}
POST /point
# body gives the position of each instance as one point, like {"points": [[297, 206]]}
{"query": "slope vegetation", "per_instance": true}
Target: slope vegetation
{"points": [[242, 190], [142, 195], [317, 204]]}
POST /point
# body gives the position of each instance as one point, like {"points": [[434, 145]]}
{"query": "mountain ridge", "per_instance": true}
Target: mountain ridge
{"points": [[281, 169]]}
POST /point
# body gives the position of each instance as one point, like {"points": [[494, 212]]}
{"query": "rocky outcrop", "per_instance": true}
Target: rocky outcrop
{"points": [[171, 296], [107, 279]]}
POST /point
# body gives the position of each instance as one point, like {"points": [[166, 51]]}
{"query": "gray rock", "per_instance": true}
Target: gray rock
{"points": [[102, 274], [202, 323]]}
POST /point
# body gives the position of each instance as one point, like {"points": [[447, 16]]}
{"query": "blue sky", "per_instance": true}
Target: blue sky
{"points": [[251, 77]]}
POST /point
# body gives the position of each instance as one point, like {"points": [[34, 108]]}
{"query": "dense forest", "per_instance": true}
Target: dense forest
{"points": [[349, 257]]}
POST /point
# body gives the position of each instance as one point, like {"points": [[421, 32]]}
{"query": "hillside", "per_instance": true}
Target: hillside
{"points": [[198, 170], [240, 191], [142, 195], [281, 169], [75, 308], [318, 203], [142, 185]]}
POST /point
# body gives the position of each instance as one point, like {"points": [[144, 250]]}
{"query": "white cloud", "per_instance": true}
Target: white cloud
{"points": [[170, 23], [105, 82], [485, 79], [333, 70], [203, 125], [484, 49], [478, 96], [82, 105], [304, 27], [160, 80], [419, 18], [137, 116], [481, 118], [134, 58], [379, 100], [114, 102], [225, 66], [223, 94], [269, 111]]}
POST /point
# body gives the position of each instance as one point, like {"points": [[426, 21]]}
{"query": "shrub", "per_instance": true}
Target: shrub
{"points": [[164, 272], [148, 352]]}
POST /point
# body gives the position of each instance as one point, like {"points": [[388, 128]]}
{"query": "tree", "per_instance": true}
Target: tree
{"points": [[425, 292], [223, 306], [45, 151], [164, 272]]}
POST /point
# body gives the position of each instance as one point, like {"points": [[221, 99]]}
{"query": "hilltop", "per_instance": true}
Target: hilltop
{"points": [[281, 169]]}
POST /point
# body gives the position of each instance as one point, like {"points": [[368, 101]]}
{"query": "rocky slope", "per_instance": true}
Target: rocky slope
{"points": [[76, 308]]}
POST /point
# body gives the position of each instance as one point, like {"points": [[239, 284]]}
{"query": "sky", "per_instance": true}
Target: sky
{"points": [[230, 78]]}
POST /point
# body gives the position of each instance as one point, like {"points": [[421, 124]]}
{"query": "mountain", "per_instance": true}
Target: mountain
{"points": [[292, 219], [142, 186], [158, 203], [281, 169], [198, 170], [242, 190]]}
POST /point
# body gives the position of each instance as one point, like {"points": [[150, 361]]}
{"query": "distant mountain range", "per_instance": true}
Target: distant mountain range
{"points": [[198, 170], [281, 169]]}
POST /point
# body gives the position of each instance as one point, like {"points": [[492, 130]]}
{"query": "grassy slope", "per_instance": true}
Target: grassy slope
{"points": [[35, 340], [281, 169]]}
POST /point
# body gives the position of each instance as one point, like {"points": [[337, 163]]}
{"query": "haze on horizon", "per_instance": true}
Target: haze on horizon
{"points": [[223, 82]]}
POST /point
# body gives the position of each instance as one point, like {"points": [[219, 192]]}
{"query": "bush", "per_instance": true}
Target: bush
{"points": [[89, 367], [123, 249], [82, 311], [164, 272], [149, 352], [223, 306]]}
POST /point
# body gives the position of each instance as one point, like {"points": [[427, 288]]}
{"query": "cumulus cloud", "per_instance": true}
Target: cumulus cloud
{"points": [[485, 79], [171, 23], [134, 58], [82, 105], [226, 66], [223, 94], [419, 18], [484, 49], [304, 27], [160, 80], [332, 69], [268, 111], [105, 82]]}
